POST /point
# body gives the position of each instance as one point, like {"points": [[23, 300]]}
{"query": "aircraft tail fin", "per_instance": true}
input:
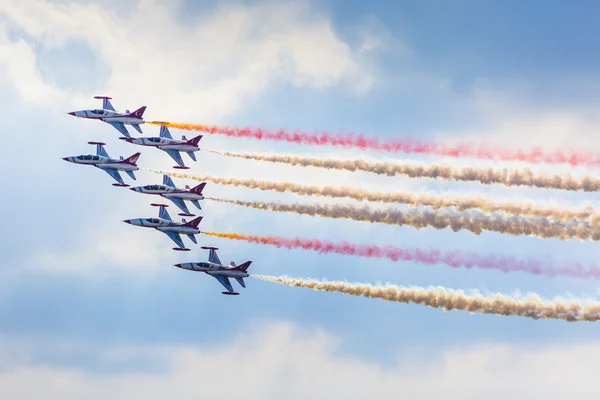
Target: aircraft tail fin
{"points": [[198, 189], [195, 140], [195, 222], [138, 113], [130, 173], [241, 282], [132, 159], [244, 267]]}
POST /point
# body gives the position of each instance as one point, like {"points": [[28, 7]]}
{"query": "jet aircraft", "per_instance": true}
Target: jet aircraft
{"points": [[166, 225], [217, 270], [172, 147], [168, 190], [110, 165], [118, 120]]}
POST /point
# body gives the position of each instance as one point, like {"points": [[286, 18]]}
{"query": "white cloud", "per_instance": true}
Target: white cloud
{"points": [[206, 69], [282, 361]]}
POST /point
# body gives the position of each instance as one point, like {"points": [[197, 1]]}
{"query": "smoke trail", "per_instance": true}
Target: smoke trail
{"points": [[406, 146], [486, 176], [434, 201], [454, 259], [474, 222], [531, 306]]}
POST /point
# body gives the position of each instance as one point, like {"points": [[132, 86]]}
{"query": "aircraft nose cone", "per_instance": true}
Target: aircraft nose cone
{"points": [[66, 158], [72, 113], [134, 189], [127, 221], [177, 265]]}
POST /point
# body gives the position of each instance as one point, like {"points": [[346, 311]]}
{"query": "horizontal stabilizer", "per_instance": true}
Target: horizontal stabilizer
{"points": [[241, 282], [137, 128], [195, 202], [192, 238], [130, 173], [191, 154]]}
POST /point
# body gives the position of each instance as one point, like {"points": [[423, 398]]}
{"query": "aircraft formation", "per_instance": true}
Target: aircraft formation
{"points": [[168, 190], [443, 211]]}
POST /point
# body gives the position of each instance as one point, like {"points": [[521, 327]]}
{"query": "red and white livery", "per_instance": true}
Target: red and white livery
{"points": [[168, 190], [118, 120], [172, 147], [166, 225], [109, 165]]}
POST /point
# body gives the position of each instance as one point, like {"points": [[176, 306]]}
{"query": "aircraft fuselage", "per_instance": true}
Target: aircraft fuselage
{"points": [[214, 269], [102, 162], [168, 192], [108, 116], [163, 225], [164, 143]]}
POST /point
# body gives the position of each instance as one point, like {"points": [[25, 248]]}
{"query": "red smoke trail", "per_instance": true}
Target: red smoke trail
{"points": [[407, 146], [454, 259]]}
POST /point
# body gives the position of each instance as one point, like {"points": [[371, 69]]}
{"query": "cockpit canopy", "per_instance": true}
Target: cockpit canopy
{"points": [[88, 157], [155, 187], [99, 112], [154, 139], [153, 220]]}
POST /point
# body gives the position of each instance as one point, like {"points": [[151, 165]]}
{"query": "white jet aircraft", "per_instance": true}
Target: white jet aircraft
{"points": [[168, 190], [172, 147], [166, 225], [110, 165], [217, 270], [118, 120]]}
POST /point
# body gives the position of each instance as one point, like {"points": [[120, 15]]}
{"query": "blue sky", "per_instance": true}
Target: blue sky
{"points": [[96, 304]]}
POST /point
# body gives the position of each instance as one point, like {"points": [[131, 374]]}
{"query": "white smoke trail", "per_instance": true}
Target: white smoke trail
{"points": [[417, 218], [430, 200], [447, 299], [487, 176]]}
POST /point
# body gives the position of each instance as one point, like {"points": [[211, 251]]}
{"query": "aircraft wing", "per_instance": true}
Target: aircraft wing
{"points": [[164, 132], [223, 280], [120, 127], [181, 204], [176, 238], [175, 155], [213, 257], [106, 104], [115, 174]]}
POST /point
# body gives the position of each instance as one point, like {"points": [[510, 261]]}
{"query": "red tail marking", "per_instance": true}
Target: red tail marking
{"points": [[195, 222], [194, 141], [198, 189], [244, 267], [133, 159], [138, 113]]}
